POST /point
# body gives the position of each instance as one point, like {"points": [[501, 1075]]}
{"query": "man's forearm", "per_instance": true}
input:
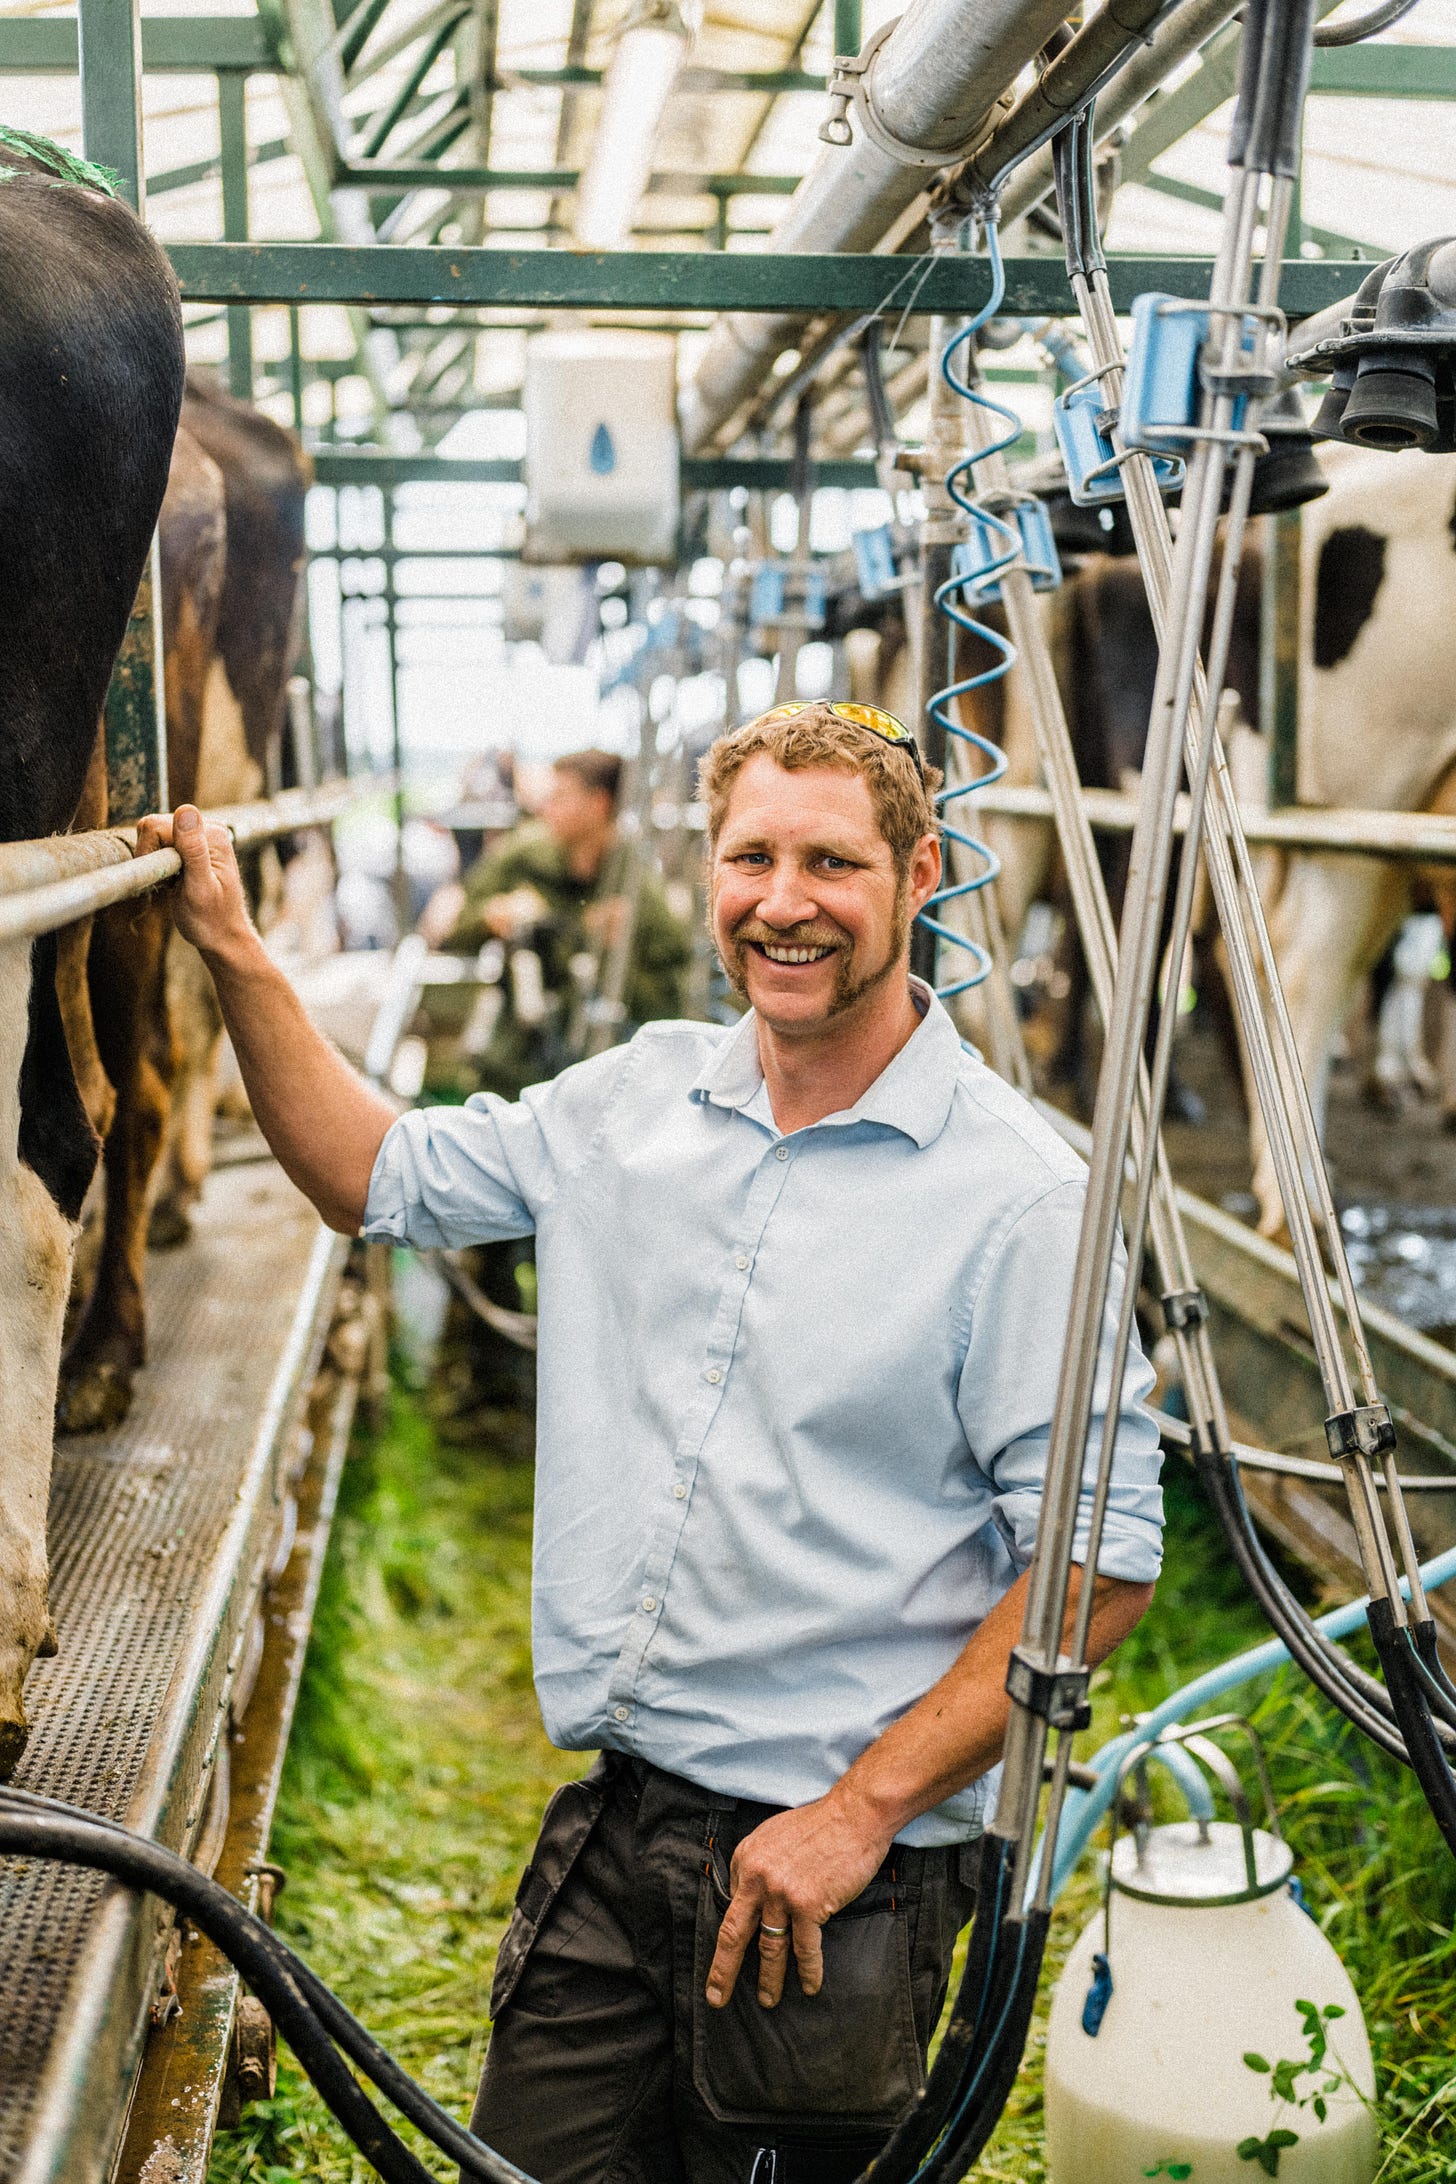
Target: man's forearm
{"points": [[322, 1121], [955, 1733], [801, 1866]]}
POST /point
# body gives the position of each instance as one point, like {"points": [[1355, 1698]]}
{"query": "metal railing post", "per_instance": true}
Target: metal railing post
{"points": [[232, 117]]}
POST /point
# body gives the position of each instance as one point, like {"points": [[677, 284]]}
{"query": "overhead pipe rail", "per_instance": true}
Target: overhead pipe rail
{"points": [[1408, 837]]}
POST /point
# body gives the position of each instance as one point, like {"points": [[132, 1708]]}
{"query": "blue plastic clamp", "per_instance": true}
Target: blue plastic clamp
{"points": [[874, 562], [1088, 456], [985, 546], [1161, 390], [767, 598]]}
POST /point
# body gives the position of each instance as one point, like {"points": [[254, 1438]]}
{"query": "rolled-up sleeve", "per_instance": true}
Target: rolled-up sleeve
{"points": [[447, 1177], [1008, 1389]]}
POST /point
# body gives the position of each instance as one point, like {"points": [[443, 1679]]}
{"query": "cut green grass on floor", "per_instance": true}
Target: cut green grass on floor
{"points": [[418, 1770]]}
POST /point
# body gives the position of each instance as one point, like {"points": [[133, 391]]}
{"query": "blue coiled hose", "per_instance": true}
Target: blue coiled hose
{"points": [[953, 598]]}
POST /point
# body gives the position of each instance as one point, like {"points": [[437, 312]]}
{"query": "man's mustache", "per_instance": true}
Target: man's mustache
{"points": [[751, 930]]}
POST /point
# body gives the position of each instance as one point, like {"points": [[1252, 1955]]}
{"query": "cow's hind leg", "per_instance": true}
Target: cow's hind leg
{"points": [[41, 1122], [1333, 917], [133, 1032], [197, 1038]]}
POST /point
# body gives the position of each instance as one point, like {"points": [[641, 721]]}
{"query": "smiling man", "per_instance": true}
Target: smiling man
{"points": [[803, 1288]]}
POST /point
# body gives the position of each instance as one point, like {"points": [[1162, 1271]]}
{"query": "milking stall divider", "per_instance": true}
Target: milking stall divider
{"points": [[187, 1545]]}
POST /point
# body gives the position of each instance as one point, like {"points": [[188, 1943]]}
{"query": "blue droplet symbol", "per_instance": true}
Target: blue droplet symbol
{"points": [[603, 457]]}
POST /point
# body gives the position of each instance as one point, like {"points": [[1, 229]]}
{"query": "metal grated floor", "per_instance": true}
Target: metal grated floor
{"points": [[136, 1524]]}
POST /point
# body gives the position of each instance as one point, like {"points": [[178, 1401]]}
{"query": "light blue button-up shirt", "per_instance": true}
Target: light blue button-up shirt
{"points": [[795, 1392]]}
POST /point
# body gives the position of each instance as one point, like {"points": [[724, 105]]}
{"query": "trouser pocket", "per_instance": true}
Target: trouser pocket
{"points": [[570, 1816], [844, 2060]]}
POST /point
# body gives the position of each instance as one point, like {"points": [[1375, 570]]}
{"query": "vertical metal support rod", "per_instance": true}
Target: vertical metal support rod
{"points": [[232, 119], [295, 368], [401, 881], [1279, 654], [111, 80], [935, 646], [796, 586], [111, 136], [848, 30]]}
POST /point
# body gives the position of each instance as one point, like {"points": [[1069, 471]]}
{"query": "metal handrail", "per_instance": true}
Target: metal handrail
{"points": [[1410, 836], [50, 883]]}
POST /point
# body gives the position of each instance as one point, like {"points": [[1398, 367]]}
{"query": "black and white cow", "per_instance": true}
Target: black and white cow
{"points": [[91, 371]]}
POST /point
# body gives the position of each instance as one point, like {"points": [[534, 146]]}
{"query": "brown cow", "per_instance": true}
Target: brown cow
{"points": [[232, 555]]}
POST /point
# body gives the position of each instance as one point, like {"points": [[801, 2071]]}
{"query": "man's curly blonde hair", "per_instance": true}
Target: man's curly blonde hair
{"points": [[904, 805]]}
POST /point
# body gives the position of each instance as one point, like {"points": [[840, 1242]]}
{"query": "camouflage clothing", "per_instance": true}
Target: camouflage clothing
{"points": [[531, 857]]}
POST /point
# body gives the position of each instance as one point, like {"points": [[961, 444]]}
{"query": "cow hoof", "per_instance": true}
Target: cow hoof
{"points": [[93, 1398], [13, 1735], [169, 1226]]}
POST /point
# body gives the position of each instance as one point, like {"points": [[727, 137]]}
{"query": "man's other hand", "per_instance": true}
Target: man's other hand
{"points": [[208, 904], [794, 1872]]}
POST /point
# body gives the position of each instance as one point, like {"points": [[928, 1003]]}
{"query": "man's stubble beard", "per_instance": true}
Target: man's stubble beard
{"points": [[848, 991]]}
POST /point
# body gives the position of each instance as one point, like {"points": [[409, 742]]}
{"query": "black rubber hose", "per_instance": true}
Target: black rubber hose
{"points": [[877, 400], [1398, 1660], [904, 2155], [1076, 186], [1307, 1647], [305, 2012], [997, 2073], [1431, 1674], [1361, 27], [1272, 83], [1368, 1689], [340, 2023], [1424, 1636]]}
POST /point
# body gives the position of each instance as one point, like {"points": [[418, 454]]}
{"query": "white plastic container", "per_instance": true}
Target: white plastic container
{"points": [[1209, 1965], [601, 447]]}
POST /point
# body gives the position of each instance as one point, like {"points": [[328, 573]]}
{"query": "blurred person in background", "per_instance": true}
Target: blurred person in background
{"points": [[553, 897]]}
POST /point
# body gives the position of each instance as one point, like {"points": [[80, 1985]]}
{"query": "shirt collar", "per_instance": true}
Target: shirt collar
{"points": [[913, 1095]]}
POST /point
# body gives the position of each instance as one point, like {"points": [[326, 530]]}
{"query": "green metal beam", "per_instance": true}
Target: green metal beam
{"points": [[385, 175], [109, 53], [193, 45], [203, 170], [763, 81], [1385, 71], [646, 280], [232, 114], [201, 44], [848, 28], [700, 474]]}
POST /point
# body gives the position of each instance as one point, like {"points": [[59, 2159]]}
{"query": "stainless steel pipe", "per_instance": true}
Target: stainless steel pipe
{"points": [[47, 884], [938, 74]]}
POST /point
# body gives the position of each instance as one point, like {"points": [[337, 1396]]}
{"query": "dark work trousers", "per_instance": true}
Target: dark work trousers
{"points": [[606, 2065]]}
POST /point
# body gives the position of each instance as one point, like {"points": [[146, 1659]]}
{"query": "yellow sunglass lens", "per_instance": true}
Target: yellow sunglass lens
{"points": [[870, 716]]}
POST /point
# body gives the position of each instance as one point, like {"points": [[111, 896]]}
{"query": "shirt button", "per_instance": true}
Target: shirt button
{"points": [[679, 1492], [650, 1605], [781, 1152], [621, 1713], [742, 1262], [714, 1375]]}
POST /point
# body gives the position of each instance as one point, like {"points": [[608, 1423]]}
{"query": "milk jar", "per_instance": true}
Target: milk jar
{"points": [[1231, 2045]]}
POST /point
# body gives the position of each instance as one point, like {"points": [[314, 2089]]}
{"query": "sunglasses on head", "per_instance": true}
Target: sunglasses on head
{"points": [[870, 717]]}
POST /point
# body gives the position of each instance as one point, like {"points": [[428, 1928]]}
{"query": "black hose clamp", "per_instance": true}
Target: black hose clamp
{"points": [[1368, 1430], [1183, 1309], [1058, 1696]]}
